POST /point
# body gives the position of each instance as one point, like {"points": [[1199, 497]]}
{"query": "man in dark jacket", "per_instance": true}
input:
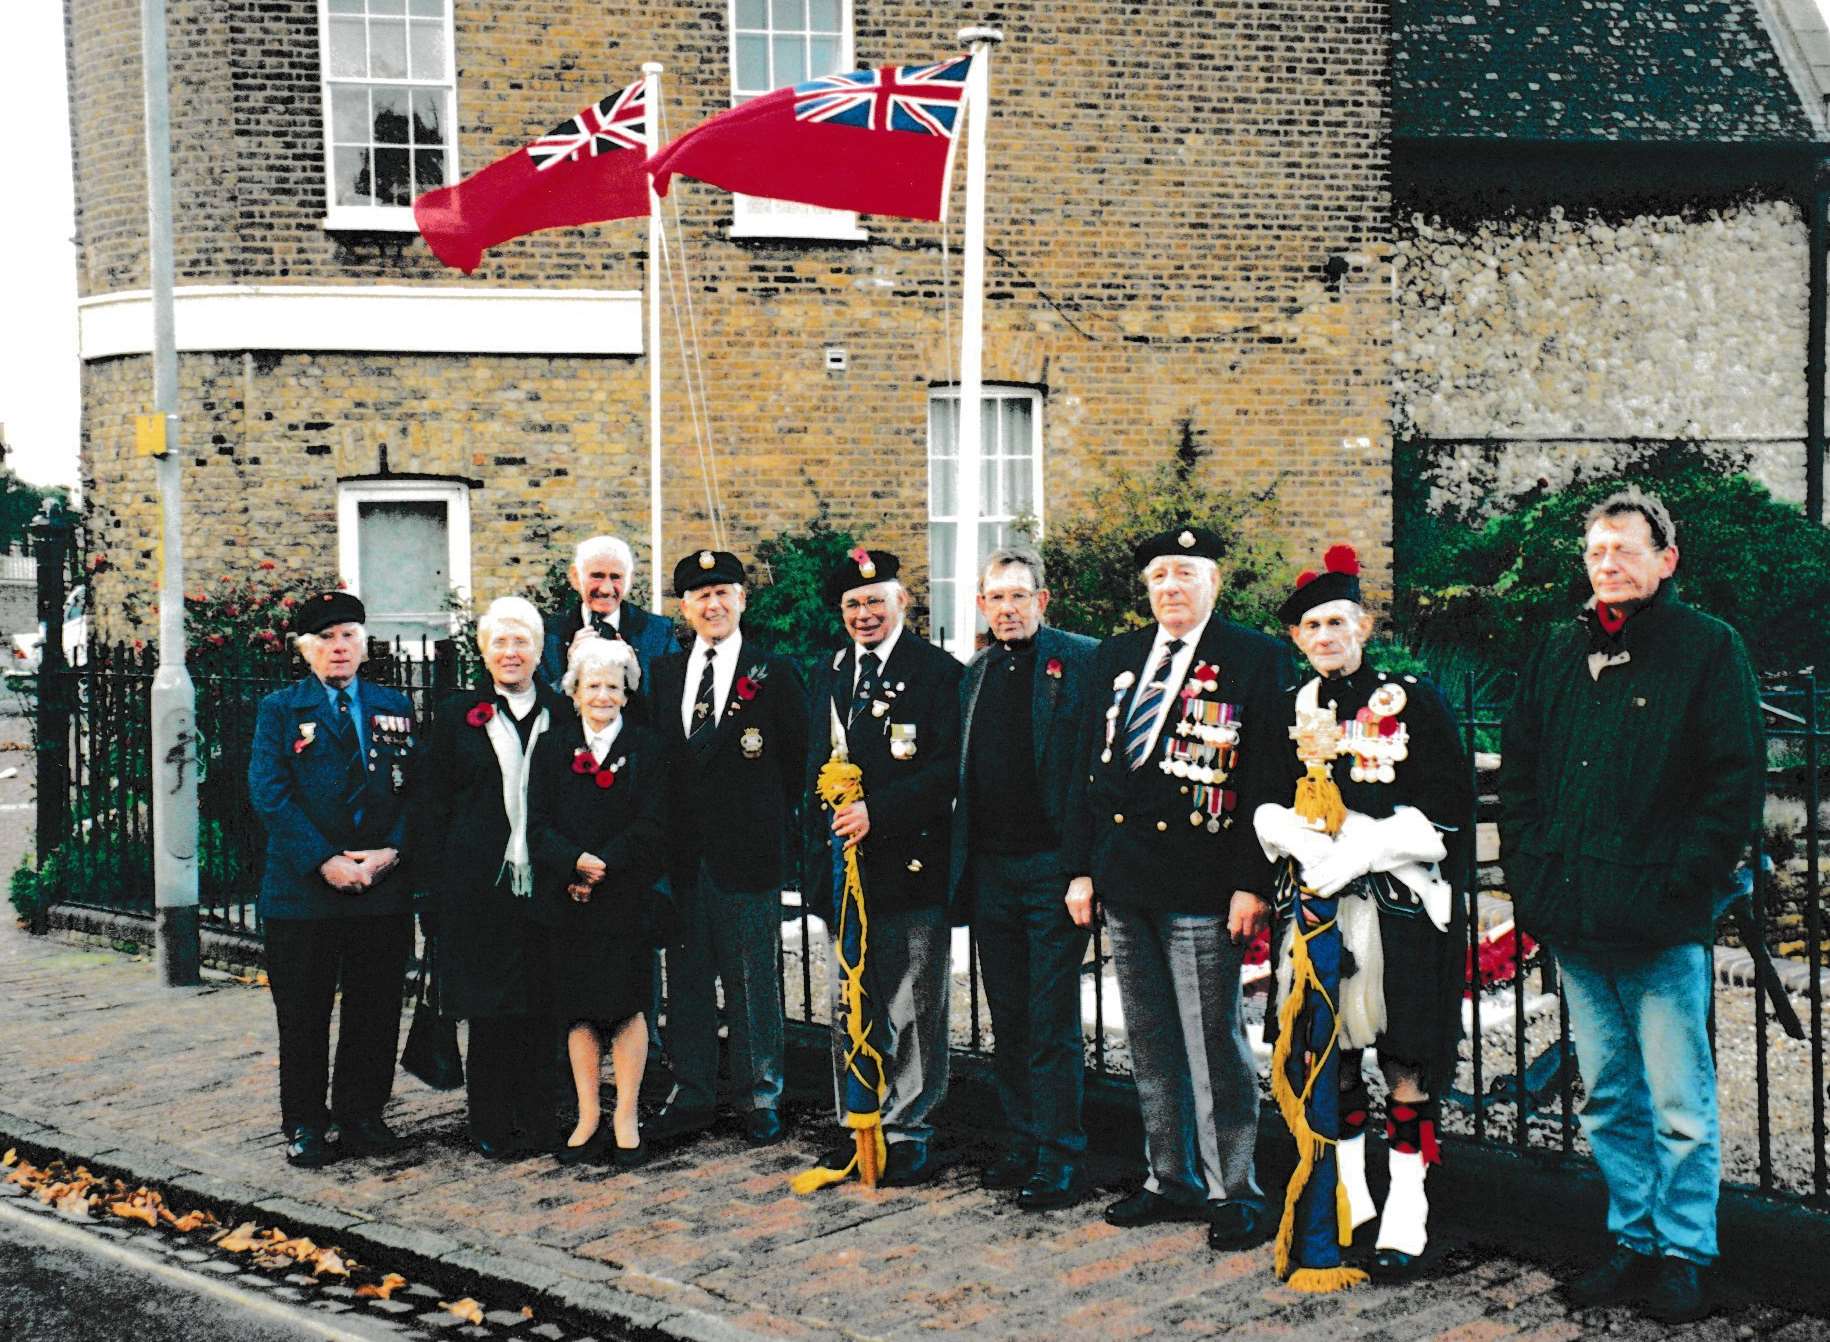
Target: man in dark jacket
{"points": [[600, 575], [892, 700], [1021, 704], [327, 778], [1162, 837], [1632, 784], [734, 717]]}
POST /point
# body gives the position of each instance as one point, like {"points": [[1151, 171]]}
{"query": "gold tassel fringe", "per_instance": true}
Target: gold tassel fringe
{"points": [[1310, 1146], [1318, 800], [1325, 1280]]}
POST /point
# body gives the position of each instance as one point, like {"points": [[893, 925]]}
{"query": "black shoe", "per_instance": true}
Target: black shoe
{"points": [[839, 1156], [1144, 1208], [500, 1149], [629, 1157], [590, 1151], [1394, 1265], [1677, 1296], [1053, 1188], [908, 1164], [762, 1127], [676, 1121], [1010, 1170], [367, 1137], [1237, 1223], [1624, 1278], [309, 1148]]}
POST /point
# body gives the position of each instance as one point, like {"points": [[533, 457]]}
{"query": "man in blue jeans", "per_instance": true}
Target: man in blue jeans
{"points": [[1631, 787]]}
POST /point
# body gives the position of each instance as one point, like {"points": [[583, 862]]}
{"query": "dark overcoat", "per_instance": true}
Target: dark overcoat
{"points": [[651, 635]]}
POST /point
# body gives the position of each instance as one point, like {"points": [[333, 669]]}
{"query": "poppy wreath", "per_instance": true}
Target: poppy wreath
{"points": [[480, 714]]}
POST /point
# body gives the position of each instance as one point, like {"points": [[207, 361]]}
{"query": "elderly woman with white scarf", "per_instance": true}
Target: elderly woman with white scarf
{"points": [[494, 960]]}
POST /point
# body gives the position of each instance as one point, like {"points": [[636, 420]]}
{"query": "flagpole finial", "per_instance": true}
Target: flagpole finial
{"points": [[652, 67], [973, 36]]}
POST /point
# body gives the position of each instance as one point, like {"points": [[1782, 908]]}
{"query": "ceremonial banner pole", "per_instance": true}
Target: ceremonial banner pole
{"points": [[651, 98], [972, 345]]}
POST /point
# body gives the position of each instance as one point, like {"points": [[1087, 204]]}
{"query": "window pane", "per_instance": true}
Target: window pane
{"points": [[403, 556], [355, 185], [942, 495], [991, 498], [349, 115], [428, 117], [1019, 498], [823, 56], [390, 115], [790, 61], [428, 51], [428, 169], [752, 62], [347, 58], [387, 6], [789, 13], [392, 185], [346, 6], [433, 8], [752, 13], [388, 49], [988, 425], [943, 426], [1017, 412], [823, 16]]}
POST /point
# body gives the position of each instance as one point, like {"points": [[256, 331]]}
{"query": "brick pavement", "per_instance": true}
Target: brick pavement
{"points": [[180, 1087]]}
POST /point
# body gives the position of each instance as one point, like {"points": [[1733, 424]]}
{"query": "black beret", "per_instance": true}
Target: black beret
{"points": [[1198, 542], [318, 613], [861, 568], [1339, 580], [702, 568]]}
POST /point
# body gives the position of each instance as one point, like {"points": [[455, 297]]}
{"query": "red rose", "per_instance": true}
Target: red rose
{"points": [[746, 688], [1053, 668], [606, 777], [480, 714], [584, 763]]}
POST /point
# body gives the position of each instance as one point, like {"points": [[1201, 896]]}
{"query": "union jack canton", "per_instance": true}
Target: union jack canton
{"points": [[617, 122], [924, 99]]}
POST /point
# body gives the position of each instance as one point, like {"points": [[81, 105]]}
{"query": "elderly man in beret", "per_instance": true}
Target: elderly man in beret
{"points": [[889, 701], [1183, 740], [327, 778], [734, 718], [600, 575]]}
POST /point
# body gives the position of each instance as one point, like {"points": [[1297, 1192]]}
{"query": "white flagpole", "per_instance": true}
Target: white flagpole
{"points": [[651, 121], [971, 346]]}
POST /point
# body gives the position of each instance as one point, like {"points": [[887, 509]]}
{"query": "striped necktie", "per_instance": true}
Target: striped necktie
{"points": [[1140, 727]]}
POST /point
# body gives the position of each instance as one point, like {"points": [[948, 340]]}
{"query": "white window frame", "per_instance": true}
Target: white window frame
{"points": [[380, 218], [761, 217], [989, 391], [454, 494]]}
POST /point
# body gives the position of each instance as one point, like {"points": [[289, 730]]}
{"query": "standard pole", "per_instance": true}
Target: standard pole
{"points": [[1817, 201], [174, 699], [651, 119], [971, 345]]}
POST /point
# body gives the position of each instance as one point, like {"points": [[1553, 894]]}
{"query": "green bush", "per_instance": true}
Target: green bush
{"points": [[787, 607], [1093, 583], [22, 891], [1747, 558]]}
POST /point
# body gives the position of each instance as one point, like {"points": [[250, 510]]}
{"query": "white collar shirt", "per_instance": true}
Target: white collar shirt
{"points": [[724, 655], [1178, 670], [883, 651], [599, 743], [615, 617]]}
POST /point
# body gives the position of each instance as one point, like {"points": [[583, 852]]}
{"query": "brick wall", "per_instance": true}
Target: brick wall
{"points": [[1167, 182]]}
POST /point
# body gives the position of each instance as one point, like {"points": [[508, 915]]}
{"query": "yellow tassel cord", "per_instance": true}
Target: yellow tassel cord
{"points": [[1325, 1280], [1310, 1145], [841, 784], [1318, 799]]}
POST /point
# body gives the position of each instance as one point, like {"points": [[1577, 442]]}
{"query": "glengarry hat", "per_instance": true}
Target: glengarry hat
{"points": [[860, 568], [1339, 580]]}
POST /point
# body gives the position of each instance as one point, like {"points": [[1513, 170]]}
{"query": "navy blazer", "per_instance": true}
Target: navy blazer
{"points": [[1130, 830], [299, 785], [649, 634], [734, 792], [1055, 727], [910, 799]]}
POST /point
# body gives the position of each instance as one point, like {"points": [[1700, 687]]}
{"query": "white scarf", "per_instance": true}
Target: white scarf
{"points": [[514, 761]]}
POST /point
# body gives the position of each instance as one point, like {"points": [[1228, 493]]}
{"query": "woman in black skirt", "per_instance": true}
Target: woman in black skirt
{"points": [[595, 808]]}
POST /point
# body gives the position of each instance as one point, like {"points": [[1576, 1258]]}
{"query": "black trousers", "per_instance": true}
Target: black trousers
{"points": [[308, 961], [510, 1070], [1030, 954]]}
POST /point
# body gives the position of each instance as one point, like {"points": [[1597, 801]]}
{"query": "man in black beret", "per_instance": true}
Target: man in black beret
{"points": [[1182, 740], [327, 778], [889, 701], [734, 717]]}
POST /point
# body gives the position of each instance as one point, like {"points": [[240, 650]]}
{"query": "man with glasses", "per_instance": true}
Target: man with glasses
{"points": [[1184, 738], [889, 701], [1020, 708], [1632, 785]]}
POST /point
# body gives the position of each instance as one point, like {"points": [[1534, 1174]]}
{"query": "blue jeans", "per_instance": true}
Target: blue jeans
{"points": [[1639, 1019]]}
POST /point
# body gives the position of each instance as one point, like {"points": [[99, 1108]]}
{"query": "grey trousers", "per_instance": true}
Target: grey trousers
{"points": [[907, 979], [1178, 979], [734, 937]]}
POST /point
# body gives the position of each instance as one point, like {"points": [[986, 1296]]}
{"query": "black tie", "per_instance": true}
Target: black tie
{"points": [[604, 629], [867, 688], [703, 701]]}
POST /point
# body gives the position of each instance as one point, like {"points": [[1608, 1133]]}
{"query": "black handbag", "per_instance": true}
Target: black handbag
{"points": [[431, 1053]]}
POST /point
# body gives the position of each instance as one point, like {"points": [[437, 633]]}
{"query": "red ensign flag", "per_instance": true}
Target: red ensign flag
{"points": [[877, 141], [583, 172]]}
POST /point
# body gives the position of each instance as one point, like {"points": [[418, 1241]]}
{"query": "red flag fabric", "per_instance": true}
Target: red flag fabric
{"points": [[582, 172], [878, 141]]}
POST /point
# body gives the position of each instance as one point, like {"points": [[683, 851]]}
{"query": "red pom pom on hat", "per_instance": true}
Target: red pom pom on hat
{"points": [[1342, 559], [1306, 577]]}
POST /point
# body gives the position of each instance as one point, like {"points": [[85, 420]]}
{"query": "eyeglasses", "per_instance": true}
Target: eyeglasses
{"points": [[876, 605], [1022, 598]]}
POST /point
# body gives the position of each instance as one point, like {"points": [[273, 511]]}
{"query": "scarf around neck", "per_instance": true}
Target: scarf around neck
{"points": [[513, 762]]}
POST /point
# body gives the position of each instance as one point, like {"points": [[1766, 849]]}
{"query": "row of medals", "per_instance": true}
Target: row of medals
{"points": [[1209, 750]]}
